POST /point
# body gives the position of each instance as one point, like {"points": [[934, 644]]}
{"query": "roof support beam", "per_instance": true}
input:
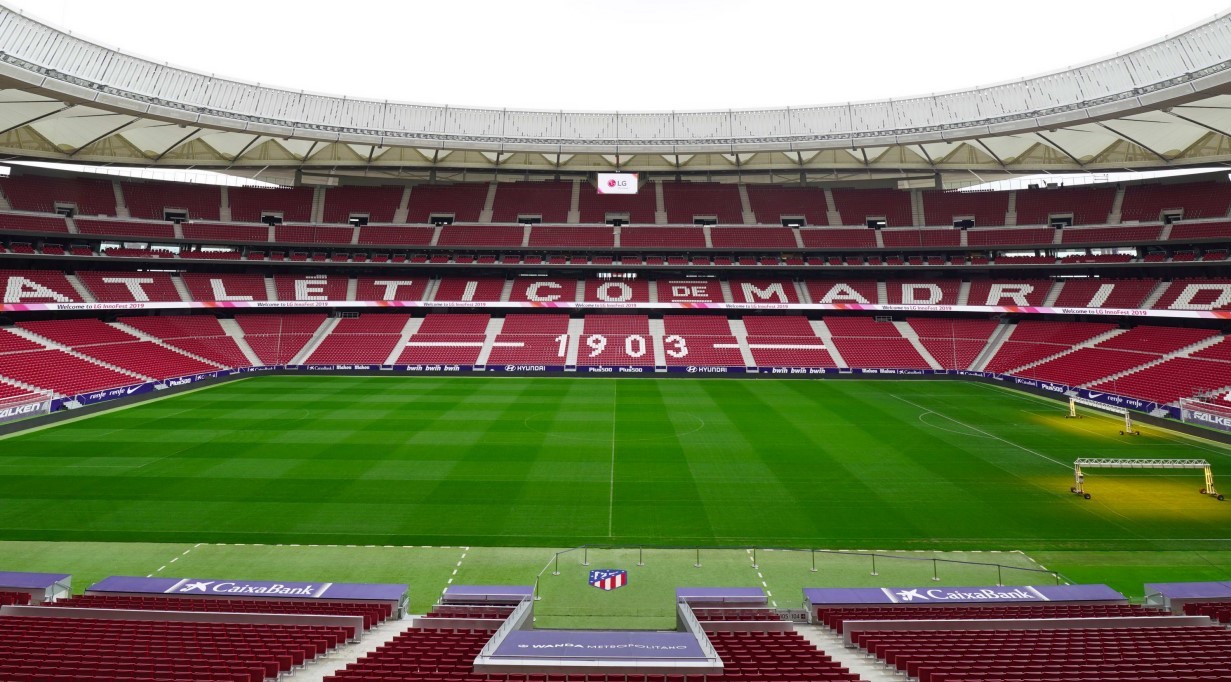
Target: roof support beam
{"points": [[991, 153], [1212, 129], [1136, 142], [105, 135], [1062, 150], [178, 142], [36, 119], [239, 155]]}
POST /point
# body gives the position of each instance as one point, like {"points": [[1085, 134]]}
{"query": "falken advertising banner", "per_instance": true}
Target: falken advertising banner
{"points": [[1193, 414]]}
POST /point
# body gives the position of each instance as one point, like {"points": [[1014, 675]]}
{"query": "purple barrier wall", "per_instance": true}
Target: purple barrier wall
{"points": [[496, 594], [600, 645], [726, 595], [245, 589], [961, 595]]}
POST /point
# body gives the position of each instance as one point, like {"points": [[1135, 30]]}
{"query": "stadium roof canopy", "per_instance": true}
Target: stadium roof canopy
{"points": [[1163, 105]]}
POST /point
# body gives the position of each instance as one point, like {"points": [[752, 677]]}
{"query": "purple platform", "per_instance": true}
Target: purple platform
{"points": [[723, 595], [495, 594], [1175, 595], [833, 596], [600, 645], [246, 589], [41, 586]]}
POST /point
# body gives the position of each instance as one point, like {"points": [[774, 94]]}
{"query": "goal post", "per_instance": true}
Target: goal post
{"points": [[1079, 478], [1128, 429], [1204, 413], [25, 405]]}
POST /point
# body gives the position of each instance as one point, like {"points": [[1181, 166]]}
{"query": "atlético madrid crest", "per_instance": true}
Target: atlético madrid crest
{"points": [[608, 578]]}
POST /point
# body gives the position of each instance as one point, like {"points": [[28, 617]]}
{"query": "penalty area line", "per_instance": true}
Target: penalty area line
{"points": [[985, 433]]}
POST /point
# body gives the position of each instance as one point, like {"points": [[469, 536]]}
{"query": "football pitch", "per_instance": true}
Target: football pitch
{"points": [[561, 462]]}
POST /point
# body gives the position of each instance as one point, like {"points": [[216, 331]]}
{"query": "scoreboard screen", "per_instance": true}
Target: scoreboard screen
{"points": [[617, 183]]}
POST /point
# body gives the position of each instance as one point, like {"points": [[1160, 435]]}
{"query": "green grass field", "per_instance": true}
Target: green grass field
{"points": [[529, 463], [556, 462]]}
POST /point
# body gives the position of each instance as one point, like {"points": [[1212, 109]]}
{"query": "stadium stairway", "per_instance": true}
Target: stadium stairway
{"points": [[494, 327], [85, 294], [1053, 294], [181, 288], [740, 332], [157, 341], [1184, 352], [997, 339], [822, 330], [855, 660], [412, 326], [233, 330], [310, 347], [1088, 343], [1159, 290], [321, 667], [909, 334], [31, 336]]}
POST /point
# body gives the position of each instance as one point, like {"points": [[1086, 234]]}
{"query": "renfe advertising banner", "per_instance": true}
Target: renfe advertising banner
{"points": [[617, 183]]}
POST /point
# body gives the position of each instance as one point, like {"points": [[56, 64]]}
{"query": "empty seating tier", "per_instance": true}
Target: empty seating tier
{"points": [[372, 613], [148, 358], [859, 206], [984, 208], [461, 202], [486, 235], [753, 237], [1112, 654], [663, 237], [58, 371], [773, 205], [909, 238], [686, 202], [377, 204], [126, 228], [631, 208], [1171, 380], [92, 650], [110, 287], [290, 204], [834, 617], [847, 238], [576, 237], [1085, 205], [547, 201], [24, 222], [45, 194], [225, 232], [152, 200], [1192, 199]]}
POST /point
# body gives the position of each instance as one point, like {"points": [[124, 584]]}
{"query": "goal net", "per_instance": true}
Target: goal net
{"points": [[1081, 465], [25, 405], [1202, 413], [1128, 429]]}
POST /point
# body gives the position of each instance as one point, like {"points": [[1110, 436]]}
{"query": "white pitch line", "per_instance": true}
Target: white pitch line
{"points": [[985, 433], [615, 393], [774, 346]]}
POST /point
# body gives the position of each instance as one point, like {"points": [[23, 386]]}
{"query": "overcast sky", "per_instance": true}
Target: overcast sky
{"points": [[621, 54]]}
